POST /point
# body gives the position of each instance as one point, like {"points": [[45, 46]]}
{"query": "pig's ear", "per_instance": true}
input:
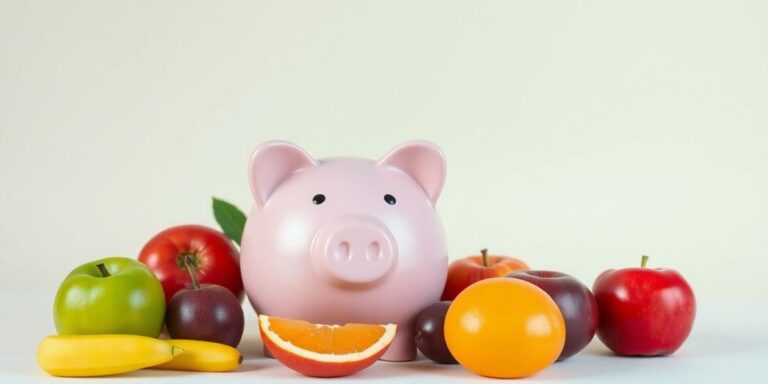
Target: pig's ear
{"points": [[423, 161], [272, 163]]}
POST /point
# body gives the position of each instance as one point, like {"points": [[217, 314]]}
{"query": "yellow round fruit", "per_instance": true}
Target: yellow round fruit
{"points": [[504, 328]]}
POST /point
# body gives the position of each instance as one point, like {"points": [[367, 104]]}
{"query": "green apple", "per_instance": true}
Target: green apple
{"points": [[116, 295]]}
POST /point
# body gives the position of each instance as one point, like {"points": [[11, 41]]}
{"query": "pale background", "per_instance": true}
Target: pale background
{"points": [[579, 135]]}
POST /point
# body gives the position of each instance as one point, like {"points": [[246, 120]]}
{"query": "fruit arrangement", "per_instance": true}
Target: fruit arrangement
{"points": [[110, 313], [517, 325], [337, 277]]}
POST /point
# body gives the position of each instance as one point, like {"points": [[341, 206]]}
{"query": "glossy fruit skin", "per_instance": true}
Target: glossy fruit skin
{"points": [[203, 356], [216, 259], [129, 301], [430, 338], [101, 355], [464, 272], [576, 303], [504, 328], [644, 311], [210, 313]]}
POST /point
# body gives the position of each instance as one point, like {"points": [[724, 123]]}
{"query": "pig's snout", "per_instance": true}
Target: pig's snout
{"points": [[354, 249]]}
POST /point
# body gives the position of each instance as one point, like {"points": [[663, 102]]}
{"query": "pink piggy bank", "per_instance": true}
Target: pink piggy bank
{"points": [[345, 240]]}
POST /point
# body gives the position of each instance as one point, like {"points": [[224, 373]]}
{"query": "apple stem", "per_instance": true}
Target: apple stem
{"points": [[484, 254], [189, 262], [103, 269], [643, 261]]}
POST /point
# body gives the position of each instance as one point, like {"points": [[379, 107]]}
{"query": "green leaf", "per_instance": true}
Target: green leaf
{"points": [[230, 219]]}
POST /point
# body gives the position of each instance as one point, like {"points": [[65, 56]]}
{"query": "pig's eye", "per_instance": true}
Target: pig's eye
{"points": [[390, 199], [318, 199]]}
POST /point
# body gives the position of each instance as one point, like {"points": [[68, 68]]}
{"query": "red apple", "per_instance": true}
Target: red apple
{"points": [[576, 303], [644, 311], [463, 272], [215, 259]]}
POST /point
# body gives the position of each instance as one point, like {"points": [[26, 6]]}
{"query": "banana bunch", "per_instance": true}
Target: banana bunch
{"points": [[101, 355]]}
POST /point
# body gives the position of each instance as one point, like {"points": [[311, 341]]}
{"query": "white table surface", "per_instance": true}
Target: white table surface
{"points": [[729, 342]]}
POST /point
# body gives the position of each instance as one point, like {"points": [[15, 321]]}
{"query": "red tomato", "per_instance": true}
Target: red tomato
{"points": [[215, 259]]}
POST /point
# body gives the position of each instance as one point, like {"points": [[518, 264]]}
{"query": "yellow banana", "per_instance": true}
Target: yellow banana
{"points": [[100, 355], [203, 356]]}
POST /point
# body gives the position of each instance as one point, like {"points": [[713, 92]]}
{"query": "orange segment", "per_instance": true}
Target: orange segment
{"points": [[325, 350], [339, 340]]}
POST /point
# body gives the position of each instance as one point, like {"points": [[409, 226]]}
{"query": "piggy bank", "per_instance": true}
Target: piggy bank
{"points": [[346, 240]]}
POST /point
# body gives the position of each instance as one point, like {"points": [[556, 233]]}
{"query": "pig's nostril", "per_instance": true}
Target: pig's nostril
{"points": [[342, 252], [374, 251]]}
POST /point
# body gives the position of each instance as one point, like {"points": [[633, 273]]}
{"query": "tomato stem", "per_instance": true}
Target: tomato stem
{"points": [[189, 262], [484, 254], [103, 269], [643, 261]]}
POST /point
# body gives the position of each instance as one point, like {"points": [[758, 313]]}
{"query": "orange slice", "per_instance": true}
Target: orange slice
{"points": [[325, 350]]}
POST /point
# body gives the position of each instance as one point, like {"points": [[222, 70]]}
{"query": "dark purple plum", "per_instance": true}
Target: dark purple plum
{"points": [[430, 338], [576, 303], [205, 312]]}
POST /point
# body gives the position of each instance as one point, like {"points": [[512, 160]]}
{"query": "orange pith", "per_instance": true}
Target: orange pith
{"points": [[327, 339]]}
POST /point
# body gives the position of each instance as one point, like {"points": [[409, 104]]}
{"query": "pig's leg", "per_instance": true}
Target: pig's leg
{"points": [[403, 347]]}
